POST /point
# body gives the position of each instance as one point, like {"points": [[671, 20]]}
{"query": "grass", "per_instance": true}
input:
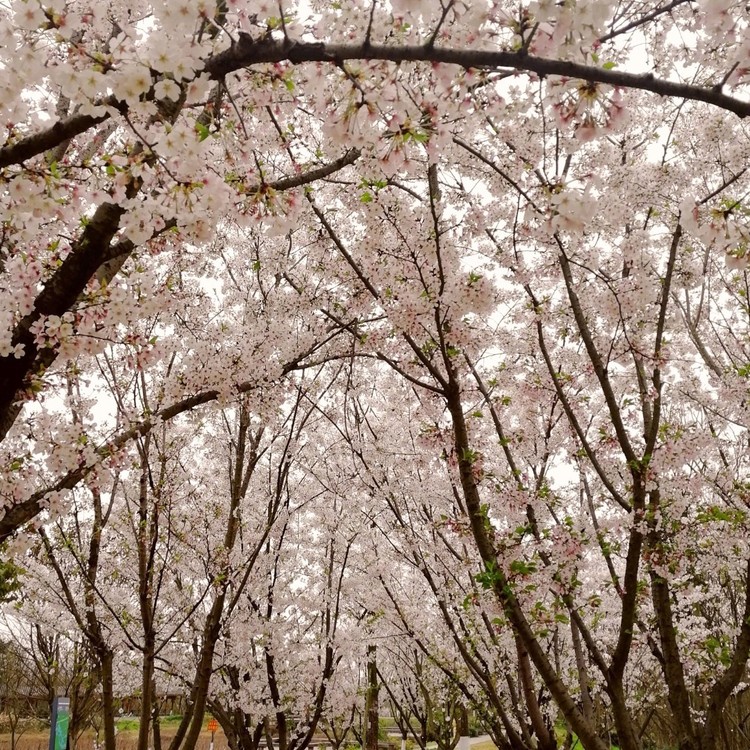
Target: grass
{"points": [[578, 746], [132, 723], [560, 733], [127, 736]]}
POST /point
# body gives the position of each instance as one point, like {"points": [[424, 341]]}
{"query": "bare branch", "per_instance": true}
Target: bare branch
{"points": [[668, 8]]}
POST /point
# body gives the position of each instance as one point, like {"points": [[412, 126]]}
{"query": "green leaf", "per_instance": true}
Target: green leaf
{"points": [[467, 454], [609, 65], [202, 130], [489, 577], [522, 567], [9, 578]]}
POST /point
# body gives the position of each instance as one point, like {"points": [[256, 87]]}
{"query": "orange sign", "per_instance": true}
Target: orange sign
{"points": [[213, 725]]}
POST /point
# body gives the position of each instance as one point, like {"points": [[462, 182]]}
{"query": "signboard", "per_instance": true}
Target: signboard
{"points": [[213, 725], [58, 731]]}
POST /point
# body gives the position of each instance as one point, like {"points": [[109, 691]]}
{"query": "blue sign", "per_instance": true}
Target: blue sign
{"points": [[58, 732]]}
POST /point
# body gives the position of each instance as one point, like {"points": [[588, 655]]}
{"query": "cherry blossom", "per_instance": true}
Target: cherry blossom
{"points": [[463, 288]]}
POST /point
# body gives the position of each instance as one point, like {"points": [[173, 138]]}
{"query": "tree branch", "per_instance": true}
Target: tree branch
{"points": [[247, 52]]}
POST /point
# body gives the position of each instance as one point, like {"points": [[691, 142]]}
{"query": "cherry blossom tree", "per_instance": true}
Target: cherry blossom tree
{"points": [[39, 662], [281, 646], [476, 660], [522, 224], [183, 564], [129, 155]]}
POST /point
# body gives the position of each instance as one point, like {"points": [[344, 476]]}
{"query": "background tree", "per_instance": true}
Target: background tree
{"points": [[18, 694]]}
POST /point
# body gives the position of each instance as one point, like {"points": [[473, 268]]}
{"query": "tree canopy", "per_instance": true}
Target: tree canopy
{"points": [[389, 302]]}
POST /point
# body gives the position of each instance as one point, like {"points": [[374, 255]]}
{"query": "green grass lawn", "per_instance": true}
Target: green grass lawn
{"points": [[131, 723], [560, 733]]}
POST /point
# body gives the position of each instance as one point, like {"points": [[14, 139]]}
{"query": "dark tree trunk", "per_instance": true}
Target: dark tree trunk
{"points": [[371, 701]]}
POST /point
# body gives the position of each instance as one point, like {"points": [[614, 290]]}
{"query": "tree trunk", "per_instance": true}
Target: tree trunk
{"points": [[147, 696], [155, 722], [371, 701], [108, 700], [545, 737]]}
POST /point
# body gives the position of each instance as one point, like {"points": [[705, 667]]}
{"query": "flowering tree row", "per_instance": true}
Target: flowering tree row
{"points": [[495, 252]]}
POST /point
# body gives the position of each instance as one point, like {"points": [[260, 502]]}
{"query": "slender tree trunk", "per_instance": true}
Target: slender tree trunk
{"points": [[245, 460], [147, 696], [587, 707], [371, 700], [546, 738], [148, 533], [674, 673], [192, 721], [155, 721], [108, 700]]}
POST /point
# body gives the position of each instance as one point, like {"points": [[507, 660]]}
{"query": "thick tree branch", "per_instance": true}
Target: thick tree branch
{"points": [[63, 130], [95, 256], [247, 52], [58, 296]]}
